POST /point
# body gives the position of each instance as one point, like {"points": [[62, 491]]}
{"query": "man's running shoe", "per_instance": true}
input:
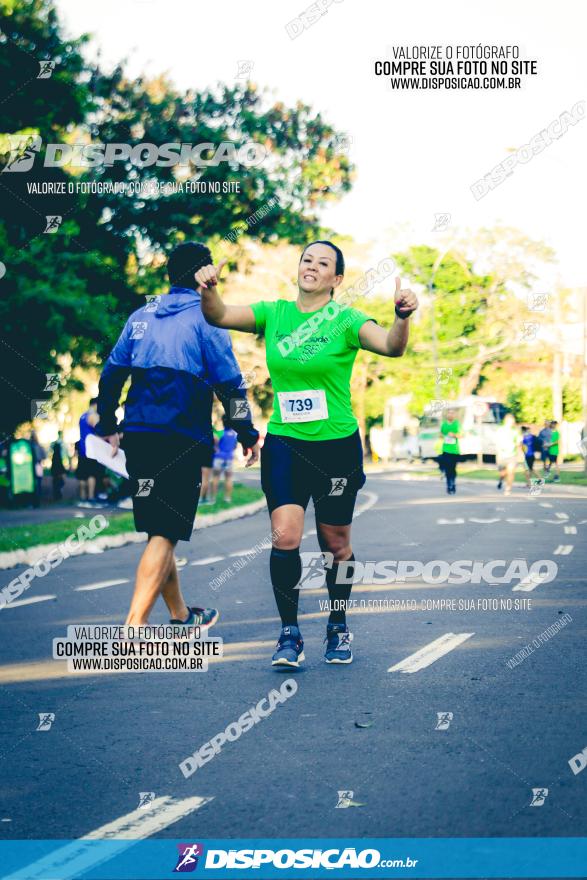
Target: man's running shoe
{"points": [[338, 643], [202, 617], [290, 648]]}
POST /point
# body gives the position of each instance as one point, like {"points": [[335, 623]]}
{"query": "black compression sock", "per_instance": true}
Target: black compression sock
{"points": [[339, 594], [286, 570]]}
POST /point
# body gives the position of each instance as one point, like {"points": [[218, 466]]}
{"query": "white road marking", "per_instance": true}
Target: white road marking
{"points": [[251, 551], [518, 522], [450, 522], [372, 498], [563, 549], [529, 583], [207, 560], [74, 859], [562, 515], [570, 530], [555, 522], [545, 504], [100, 585], [429, 653], [582, 521], [32, 601], [477, 519]]}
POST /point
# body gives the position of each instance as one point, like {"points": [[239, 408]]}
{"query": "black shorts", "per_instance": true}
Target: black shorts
{"points": [[165, 472], [89, 467], [328, 471], [530, 462], [208, 457]]}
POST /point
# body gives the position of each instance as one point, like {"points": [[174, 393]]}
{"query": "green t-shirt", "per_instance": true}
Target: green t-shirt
{"points": [[450, 444], [310, 352], [554, 439]]}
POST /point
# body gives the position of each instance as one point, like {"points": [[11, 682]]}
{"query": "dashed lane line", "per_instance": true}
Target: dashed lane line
{"points": [[101, 585], [430, 653]]}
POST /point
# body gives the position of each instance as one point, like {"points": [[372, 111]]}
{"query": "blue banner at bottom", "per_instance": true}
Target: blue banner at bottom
{"points": [[476, 857]]}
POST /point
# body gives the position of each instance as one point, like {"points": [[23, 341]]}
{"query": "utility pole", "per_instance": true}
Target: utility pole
{"points": [[584, 380], [557, 388]]}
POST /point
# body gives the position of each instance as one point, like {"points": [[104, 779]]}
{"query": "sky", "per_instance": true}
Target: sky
{"points": [[417, 152]]}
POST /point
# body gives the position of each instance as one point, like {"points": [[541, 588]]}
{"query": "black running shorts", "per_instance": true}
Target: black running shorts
{"points": [[328, 471], [165, 471]]}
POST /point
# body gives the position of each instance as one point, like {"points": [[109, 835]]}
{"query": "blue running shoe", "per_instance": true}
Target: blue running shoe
{"points": [[338, 643], [202, 617], [290, 648]]}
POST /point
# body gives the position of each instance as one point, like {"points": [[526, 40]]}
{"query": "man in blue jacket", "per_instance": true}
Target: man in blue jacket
{"points": [[176, 361]]}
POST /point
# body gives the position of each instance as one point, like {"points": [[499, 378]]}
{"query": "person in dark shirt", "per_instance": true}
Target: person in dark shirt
{"points": [[529, 446], [176, 361]]}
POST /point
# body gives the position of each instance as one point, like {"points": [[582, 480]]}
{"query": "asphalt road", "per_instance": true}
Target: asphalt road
{"points": [[512, 729]]}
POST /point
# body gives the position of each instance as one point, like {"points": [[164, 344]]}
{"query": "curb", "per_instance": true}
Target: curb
{"points": [[32, 554]]}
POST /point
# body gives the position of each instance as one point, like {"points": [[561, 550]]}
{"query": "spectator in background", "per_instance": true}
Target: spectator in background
{"points": [[58, 468], [223, 460], [89, 471], [528, 444], [39, 455], [544, 438]]}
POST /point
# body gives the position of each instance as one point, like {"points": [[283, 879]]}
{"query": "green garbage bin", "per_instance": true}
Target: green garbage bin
{"points": [[22, 468]]}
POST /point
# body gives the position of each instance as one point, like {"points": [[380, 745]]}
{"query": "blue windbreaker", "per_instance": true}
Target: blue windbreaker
{"points": [[176, 361]]}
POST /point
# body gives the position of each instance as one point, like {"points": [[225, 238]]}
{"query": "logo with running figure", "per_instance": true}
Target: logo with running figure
{"points": [[46, 720], [539, 795], [187, 860], [444, 719], [314, 567], [338, 485], [239, 408], [23, 151], [346, 800]]}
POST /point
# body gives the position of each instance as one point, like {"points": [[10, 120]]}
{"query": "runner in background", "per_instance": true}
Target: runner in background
{"points": [[313, 447], [529, 447], [508, 445], [207, 464], [553, 452], [450, 434], [223, 461], [544, 438]]}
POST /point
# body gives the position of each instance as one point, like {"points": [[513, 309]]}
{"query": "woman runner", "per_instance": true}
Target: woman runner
{"points": [[313, 446]]}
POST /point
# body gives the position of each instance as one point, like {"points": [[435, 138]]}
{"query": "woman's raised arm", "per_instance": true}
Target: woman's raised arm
{"points": [[215, 310]]}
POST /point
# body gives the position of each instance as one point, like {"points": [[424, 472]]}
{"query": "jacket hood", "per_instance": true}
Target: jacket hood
{"points": [[177, 300]]}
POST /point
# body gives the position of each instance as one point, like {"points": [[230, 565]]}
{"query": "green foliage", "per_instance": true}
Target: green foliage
{"points": [[572, 401], [530, 405]]}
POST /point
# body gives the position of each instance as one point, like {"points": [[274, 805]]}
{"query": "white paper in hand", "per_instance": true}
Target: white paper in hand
{"points": [[101, 451]]}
